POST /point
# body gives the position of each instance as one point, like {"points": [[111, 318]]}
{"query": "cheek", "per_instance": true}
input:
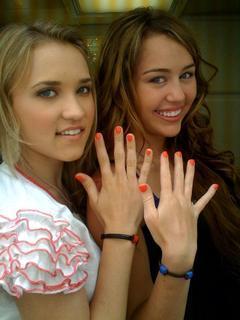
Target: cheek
{"points": [[149, 100], [192, 93], [37, 123], [43, 119]]}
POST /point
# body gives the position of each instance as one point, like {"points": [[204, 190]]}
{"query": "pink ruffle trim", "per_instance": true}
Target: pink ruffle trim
{"points": [[40, 254]]}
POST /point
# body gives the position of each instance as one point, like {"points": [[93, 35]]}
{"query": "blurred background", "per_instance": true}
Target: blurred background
{"points": [[215, 24]]}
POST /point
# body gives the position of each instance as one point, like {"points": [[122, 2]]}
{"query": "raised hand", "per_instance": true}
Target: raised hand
{"points": [[118, 204], [173, 224]]}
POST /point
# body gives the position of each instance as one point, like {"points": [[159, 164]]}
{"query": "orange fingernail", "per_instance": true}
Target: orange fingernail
{"points": [[118, 129], [179, 154], [143, 187], [148, 152], [98, 136], [192, 162], [215, 186], [165, 154], [129, 137], [79, 177]]}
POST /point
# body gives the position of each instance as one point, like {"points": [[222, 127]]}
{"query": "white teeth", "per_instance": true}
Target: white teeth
{"points": [[70, 132], [169, 113]]}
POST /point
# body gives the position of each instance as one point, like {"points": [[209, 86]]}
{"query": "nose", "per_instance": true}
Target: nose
{"points": [[72, 108], [175, 92]]}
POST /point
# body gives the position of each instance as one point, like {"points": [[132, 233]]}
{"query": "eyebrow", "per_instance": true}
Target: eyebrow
{"points": [[167, 70], [58, 83]]}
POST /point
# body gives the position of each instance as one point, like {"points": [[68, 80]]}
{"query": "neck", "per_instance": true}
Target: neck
{"points": [[42, 168], [48, 178], [155, 143]]}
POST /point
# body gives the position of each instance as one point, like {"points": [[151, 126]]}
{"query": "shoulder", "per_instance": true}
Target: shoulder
{"points": [[43, 247], [18, 195], [7, 180], [15, 190]]}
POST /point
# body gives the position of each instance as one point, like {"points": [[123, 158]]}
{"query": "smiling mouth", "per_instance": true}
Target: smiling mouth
{"points": [[168, 114], [70, 132]]}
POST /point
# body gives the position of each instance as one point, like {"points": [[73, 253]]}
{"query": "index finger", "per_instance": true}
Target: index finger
{"points": [[102, 155]]}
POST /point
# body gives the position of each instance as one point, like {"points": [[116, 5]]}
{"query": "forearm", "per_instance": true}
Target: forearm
{"points": [[166, 302], [110, 297]]}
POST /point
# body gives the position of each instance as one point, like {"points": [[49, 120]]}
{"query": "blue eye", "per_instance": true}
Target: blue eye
{"points": [[47, 93]]}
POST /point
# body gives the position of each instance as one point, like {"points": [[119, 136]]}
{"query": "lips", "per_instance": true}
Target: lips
{"points": [[169, 114], [70, 132]]}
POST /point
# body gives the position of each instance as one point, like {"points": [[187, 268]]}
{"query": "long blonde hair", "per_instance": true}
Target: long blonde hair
{"points": [[17, 42]]}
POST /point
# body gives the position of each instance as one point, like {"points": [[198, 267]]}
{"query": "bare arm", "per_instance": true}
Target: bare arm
{"points": [[119, 206], [145, 300], [71, 306], [174, 227]]}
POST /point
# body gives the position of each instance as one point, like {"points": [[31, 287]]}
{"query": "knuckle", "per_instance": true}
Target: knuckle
{"points": [[131, 163], [144, 172], [147, 199], [119, 155]]}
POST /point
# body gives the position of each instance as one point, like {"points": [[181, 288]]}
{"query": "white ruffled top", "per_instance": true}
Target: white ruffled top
{"points": [[43, 247]]}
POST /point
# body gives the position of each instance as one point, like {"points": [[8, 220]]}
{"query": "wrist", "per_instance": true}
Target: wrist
{"points": [[179, 256], [134, 238], [187, 275], [178, 264], [126, 229]]}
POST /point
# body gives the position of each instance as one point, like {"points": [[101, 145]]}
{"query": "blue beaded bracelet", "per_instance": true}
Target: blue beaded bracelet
{"points": [[164, 270]]}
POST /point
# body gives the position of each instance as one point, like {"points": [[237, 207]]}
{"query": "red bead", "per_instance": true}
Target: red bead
{"points": [[135, 239]]}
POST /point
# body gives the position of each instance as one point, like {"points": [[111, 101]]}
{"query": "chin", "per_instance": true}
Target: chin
{"points": [[171, 133], [73, 157], [168, 133]]}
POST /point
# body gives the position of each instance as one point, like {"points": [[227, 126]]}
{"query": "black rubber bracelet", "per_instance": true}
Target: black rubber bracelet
{"points": [[164, 270], [134, 238]]}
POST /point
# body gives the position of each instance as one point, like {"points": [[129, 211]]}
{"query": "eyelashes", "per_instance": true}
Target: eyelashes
{"points": [[162, 79], [187, 75], [158, 80], [47, 93], [52, 92], [84, 89]]}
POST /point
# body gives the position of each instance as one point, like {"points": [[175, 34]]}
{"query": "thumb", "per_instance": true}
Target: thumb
{"points": [[89, 185], [203, 201]]}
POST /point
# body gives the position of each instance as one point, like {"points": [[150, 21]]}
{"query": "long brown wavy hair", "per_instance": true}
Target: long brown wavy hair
{"points": [[116, 106], [17, 42]]}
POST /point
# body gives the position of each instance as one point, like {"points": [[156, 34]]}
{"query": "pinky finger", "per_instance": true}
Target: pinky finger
{"points": [[89, 185], [203, 201]]}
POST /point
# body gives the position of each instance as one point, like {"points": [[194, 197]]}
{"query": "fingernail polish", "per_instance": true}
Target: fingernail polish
{"points": [[129, 137], [165, 154], [216, 186], [179, 154], [79, 177], [143, 187], [192, 162], [98, 136], [118, 129], [148, 152]]}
